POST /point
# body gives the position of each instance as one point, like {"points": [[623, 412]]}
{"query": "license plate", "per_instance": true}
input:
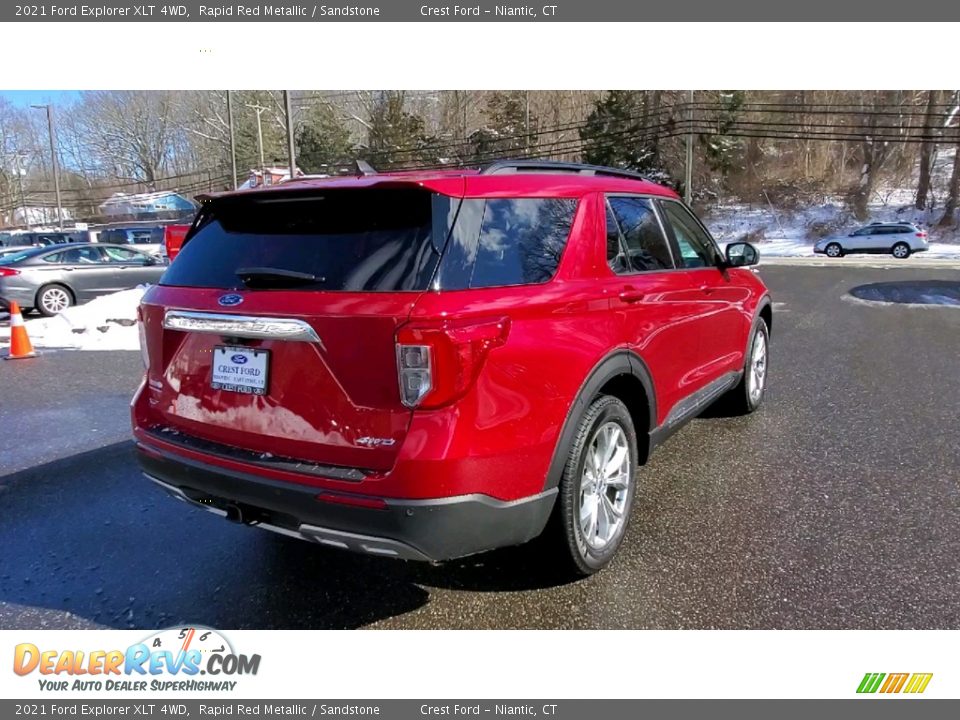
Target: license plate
{"points": [[240, 370]]}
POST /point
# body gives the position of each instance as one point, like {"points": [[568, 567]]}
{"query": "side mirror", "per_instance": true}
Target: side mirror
{"points": [[741, 254]]}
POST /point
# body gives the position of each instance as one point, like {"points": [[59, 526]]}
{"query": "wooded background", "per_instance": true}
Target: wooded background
{"points": [[784, 148]]}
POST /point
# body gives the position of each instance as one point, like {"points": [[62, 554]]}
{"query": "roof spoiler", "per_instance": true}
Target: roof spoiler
{"points": [[364, 168]]}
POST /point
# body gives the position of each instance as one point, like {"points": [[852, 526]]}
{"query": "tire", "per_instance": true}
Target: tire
{"points": [[901, 251], [588, 540], [53, 300], [747, 396], [833, 250]]}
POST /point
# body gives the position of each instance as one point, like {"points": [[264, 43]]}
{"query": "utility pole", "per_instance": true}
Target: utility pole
{"points": [[233, 140], [526, 122], [263, 167], [291, 150], [53, 157], [688, 179], [23, 200]]}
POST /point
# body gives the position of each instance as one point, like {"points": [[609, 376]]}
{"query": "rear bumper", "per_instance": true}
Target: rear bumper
{"points": [[434, 529]]}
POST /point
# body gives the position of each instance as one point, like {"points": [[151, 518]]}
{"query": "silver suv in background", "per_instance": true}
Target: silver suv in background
{"points": [[899, 239]]}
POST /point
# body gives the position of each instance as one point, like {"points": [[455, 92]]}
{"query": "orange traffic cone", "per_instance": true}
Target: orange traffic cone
{"points": [[20, 345]]}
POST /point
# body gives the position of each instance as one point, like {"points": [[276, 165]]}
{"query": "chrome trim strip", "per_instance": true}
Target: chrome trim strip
{"points": [[698, 400], [244, 326], [384, 547]]}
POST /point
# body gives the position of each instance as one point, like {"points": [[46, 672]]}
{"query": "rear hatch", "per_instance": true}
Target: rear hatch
{"points": [[273, 331]]}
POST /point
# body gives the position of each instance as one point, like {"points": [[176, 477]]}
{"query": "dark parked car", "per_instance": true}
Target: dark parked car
{"points": [[147, 239], [44, 238], [52, 279]]}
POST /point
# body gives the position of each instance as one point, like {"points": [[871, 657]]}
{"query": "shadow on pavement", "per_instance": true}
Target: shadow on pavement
{"points": [[88, 536]]}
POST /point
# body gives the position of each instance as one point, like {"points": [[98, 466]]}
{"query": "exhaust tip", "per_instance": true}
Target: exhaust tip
{"points": [[234, 513]]}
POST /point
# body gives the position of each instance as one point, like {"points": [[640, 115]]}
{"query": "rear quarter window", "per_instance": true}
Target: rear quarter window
{"points": [[521, 240]]}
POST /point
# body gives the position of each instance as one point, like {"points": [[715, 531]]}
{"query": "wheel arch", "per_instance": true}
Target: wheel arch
{"points": [[765, 312], [624, 375]]}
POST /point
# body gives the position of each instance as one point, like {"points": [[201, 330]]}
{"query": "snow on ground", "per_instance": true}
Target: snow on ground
{"points": [[106, 323], [785, 233]]}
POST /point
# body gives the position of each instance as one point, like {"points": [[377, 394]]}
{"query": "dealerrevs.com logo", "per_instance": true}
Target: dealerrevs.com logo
{"points": [[177, 659], [892, 683]]}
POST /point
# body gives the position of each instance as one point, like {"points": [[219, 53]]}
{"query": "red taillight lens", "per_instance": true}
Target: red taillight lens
{"points": [[8, 272], [437, 364], [921, 234]]}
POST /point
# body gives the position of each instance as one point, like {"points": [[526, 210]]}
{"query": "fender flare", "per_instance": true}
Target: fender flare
{"points": [[620, 362], [764, 302]]}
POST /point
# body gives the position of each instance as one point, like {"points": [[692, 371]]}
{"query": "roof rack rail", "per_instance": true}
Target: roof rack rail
{"points": [[548, 166]]}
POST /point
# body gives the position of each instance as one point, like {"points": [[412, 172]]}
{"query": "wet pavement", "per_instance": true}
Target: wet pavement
{"points": [[836, 506]]}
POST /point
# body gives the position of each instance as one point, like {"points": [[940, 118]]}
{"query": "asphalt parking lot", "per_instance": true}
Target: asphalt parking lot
{"points": [[836, 506]]}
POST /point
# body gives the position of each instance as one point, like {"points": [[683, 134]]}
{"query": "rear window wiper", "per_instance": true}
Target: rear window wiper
{"points": [[276, 277]]}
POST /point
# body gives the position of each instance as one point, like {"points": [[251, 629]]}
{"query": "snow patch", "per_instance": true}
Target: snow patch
{"points": [[106, 323]]}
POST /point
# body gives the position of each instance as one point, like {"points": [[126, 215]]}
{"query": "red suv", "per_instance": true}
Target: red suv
{"points": [[426, 365]]}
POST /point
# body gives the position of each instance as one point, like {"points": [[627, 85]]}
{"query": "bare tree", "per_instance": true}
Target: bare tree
{"points": [[874, 149], [130, 132], [927, 151], [950, 208]]}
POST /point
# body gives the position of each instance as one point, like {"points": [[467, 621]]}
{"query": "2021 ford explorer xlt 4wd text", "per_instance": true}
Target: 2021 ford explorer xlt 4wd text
{"points": [[429, 365]]}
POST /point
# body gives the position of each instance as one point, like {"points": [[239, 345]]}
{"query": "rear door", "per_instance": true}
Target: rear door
{"points": [[131, 268], [304, 292]]}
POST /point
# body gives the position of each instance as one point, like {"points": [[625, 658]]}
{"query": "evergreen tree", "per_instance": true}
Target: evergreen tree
{"points": [[509, 128], [621, 132], [397, 138], [723, 153], [323, 142]]}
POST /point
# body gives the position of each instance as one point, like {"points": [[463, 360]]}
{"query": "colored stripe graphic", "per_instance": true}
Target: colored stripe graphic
{"points": [[894, 683], [918, 682], [870, 682]]}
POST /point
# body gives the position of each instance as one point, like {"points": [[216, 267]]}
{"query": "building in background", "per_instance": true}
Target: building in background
{"points": [[145, 206], [269, 176]]}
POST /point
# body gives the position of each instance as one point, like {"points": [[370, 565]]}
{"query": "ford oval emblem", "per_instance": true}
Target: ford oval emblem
{"points": [[239, 359], [232, 299]]}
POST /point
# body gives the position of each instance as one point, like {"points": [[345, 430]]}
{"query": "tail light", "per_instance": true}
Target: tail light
{"points": [[921, 234], [8, 272], [437, 364]]}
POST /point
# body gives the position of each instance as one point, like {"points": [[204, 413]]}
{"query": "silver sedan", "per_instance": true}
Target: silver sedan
{"points": [[51, 279]]}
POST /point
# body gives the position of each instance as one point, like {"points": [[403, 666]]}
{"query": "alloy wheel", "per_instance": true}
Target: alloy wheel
{"points": [[604, 486], [55, 300], [757, 377]]}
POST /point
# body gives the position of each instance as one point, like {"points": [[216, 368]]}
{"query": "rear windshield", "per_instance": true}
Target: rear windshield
{"points": [[349, 240]]}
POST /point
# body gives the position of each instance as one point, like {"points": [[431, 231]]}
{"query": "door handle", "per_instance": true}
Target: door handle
{"points": [[629, 295]]}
